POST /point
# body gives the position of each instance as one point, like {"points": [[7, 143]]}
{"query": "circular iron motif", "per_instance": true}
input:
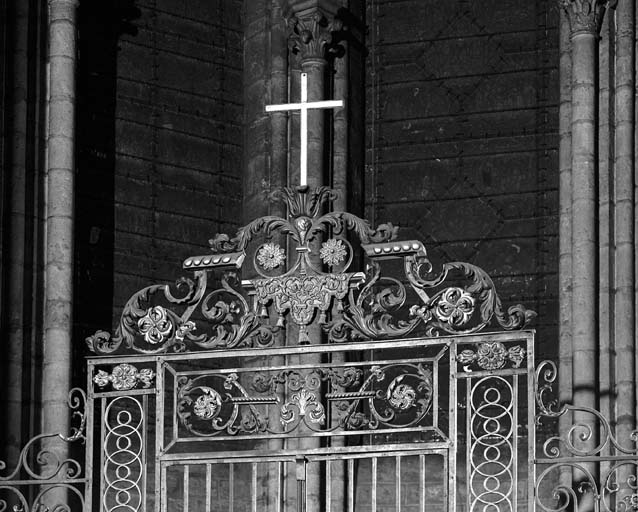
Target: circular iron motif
{"points": [[207, 405]]}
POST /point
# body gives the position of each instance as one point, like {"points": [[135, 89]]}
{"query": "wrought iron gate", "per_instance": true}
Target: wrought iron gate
{"points": [[311, 387], [366, 426]]}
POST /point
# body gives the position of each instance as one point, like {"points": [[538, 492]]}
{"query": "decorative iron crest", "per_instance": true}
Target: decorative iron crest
{"points": [[392, 396], [302, 264]]}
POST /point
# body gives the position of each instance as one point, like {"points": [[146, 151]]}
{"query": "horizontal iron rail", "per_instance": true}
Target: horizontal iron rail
{"points": [[269, 455]]}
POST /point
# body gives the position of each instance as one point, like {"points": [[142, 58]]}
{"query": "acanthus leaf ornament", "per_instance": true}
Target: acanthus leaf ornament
{"points": [[302, 296], [303, 405], [585, 16], [313, 35]]}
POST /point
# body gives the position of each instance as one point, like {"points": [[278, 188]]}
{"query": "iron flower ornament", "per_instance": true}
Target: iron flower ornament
{"points": [[270, 256], [155, 326], [333, 252]]}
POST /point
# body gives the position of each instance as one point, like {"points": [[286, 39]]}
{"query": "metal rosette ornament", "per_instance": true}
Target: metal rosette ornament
{"points": [[218, 404]]}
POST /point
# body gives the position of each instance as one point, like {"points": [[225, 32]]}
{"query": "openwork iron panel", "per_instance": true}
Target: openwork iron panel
{"points": [[384, 390], [582, 464]]}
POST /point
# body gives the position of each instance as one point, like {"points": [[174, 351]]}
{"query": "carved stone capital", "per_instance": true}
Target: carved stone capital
{"points": [[312, 34], [585, 16]]}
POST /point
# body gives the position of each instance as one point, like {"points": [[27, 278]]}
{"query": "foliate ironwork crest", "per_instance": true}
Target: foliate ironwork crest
{"points": [[302, 266]]}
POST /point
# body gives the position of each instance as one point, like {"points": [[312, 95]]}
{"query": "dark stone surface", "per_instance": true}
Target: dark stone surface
{"points": [[462, 138], [160, 126]]}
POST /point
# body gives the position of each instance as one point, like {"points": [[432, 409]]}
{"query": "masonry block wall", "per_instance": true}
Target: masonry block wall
{"points": [[159, 143], [462, 120]]}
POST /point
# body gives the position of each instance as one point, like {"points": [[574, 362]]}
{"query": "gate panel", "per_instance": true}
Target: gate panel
{"points": [[387, 392], [410, 425], [496, 408]]}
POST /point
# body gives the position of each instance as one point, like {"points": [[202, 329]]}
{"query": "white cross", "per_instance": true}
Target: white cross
{"points": [[304, 106]]}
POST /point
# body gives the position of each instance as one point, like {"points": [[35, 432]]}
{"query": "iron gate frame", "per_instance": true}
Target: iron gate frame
{"points": [[462, 367]]}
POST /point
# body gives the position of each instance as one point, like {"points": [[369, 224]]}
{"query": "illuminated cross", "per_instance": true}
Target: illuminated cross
{"points": [[304, 106]]}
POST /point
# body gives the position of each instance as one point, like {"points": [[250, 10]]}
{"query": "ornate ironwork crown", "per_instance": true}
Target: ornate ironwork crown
{"points": [[302, 277]]}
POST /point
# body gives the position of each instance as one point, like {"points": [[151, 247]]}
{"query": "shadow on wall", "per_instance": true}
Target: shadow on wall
{"points": [[101, 24]]}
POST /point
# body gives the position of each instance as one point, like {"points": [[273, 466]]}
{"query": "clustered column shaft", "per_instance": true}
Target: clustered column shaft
{"points": [[56, 375], [598, 325]]}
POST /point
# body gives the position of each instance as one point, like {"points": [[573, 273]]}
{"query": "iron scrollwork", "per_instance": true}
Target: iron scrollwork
{"points": [[293, 285], [44, 464], [585, 435], [391, 396]]}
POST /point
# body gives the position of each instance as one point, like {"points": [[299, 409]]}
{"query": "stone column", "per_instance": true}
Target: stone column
{"points": [[565, 215], [57, 360], [565, 226], [584, 18], [624, 285], [311, 30]]}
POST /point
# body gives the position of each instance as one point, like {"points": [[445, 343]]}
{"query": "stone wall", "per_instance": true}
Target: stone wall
{"points": [[462, 138], [159, 157]]}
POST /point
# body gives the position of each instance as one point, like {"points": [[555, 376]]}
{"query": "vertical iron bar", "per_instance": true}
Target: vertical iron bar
{"points": [[469, 410], [453, 427], [103, 451], [88, 456], [280, 484], [350, 485], [328, 486], [185, 493], [160, 477], [300, 473], [231, 487], [162, 471], [374, 484], [143, 451], [422, 483], [531, 425], [447, 491], [397, 483], [174, 423], [209, 484], [514, 442], [254, 487], [435, 401]]}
